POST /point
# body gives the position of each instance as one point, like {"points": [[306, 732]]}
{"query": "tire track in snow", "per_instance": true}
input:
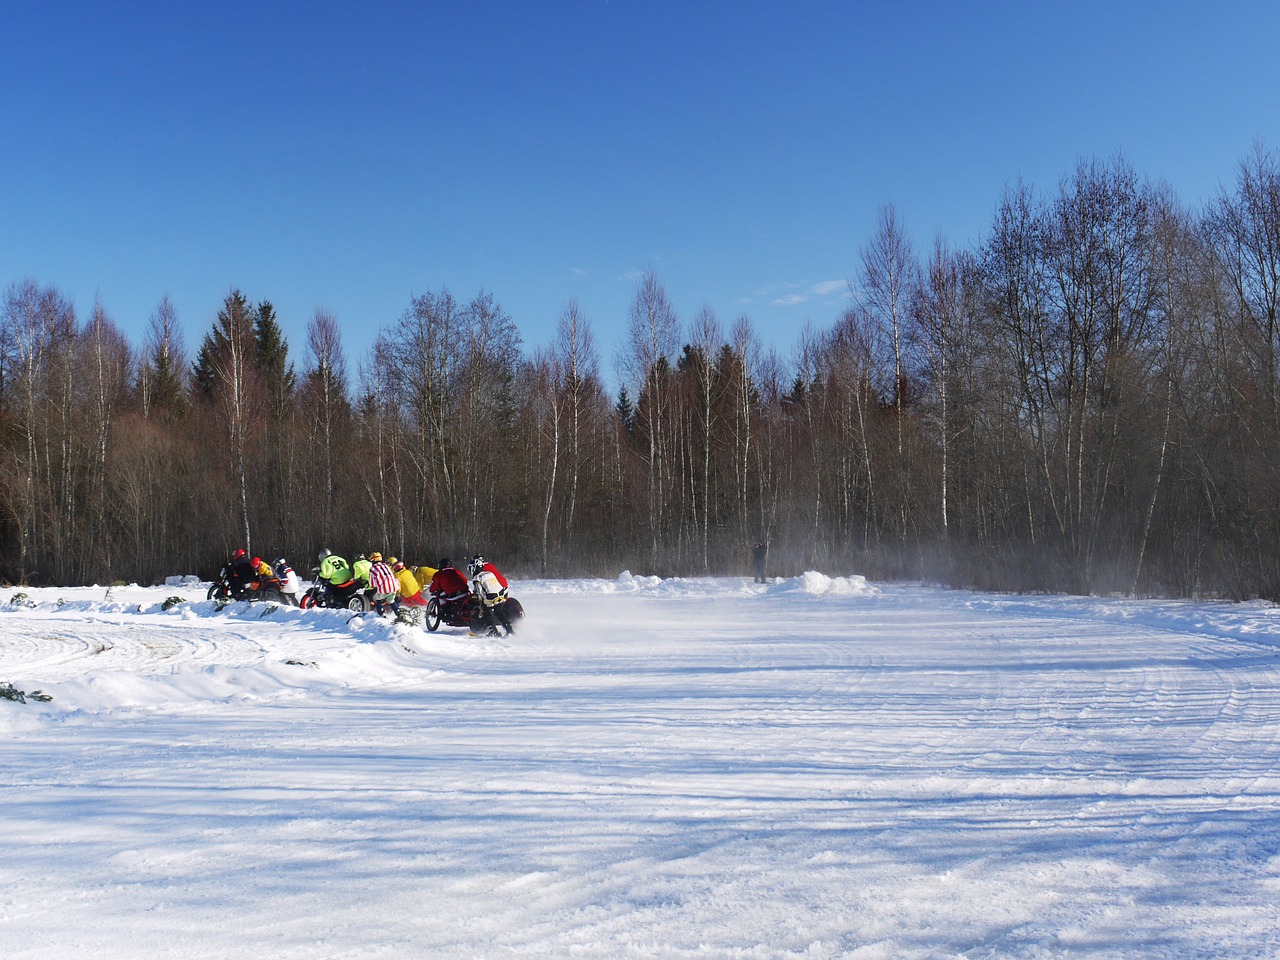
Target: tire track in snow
{"points": [[56, 648], [1051, 696]]}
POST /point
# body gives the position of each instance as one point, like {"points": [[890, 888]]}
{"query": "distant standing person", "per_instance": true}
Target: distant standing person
{"points": [[757, 555]]}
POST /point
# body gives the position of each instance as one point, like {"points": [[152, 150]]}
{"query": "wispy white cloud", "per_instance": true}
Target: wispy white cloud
{"points": [[824, 288], [578, 270]]}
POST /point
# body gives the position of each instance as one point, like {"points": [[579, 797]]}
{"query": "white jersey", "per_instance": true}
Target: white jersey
{"points": [[290, 582], [488, 588]]}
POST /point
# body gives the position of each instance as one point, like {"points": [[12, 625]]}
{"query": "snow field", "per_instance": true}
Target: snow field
{"points": [[814, 768]]}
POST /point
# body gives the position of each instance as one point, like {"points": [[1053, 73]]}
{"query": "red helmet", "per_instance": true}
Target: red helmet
{"points": [[256, 561], [238, 554]]}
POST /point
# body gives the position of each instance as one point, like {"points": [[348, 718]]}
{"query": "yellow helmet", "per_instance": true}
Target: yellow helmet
{"points": [[375, 556]]}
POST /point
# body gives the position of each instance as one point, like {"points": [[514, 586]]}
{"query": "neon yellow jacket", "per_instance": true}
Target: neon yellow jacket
{"points": [[335, 569]]}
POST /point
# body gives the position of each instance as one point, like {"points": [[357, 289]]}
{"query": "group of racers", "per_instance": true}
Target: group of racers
{"points": [[390, 584], [244, 576]]}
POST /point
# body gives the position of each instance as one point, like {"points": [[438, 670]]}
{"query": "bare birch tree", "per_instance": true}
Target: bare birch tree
{"points": [[653, 339], [107, 359], [579, 366], [889, 284], [326, 405]]}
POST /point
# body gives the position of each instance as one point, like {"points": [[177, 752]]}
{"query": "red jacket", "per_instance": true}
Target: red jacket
{"points": [[448, 581]]}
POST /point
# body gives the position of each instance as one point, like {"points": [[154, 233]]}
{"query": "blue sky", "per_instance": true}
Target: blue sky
{"points": [[351, 156]]}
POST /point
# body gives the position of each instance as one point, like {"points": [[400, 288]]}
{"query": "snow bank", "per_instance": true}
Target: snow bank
{"points": [[811, 583], [819, 584]]}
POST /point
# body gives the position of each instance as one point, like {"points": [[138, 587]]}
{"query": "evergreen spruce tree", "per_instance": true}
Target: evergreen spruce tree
{"points": [[235, 323], [625, 410], [272, 356], [168, 392], [162, 381], [226, 378]]}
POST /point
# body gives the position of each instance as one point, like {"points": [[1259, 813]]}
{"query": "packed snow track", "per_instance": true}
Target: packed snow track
{"points": [[811, 768]]}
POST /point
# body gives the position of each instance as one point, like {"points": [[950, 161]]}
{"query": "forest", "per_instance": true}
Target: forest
{"points": [[1085, 400]]}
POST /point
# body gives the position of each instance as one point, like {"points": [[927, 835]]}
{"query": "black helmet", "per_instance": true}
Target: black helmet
{"points": [[326, 552], [445, 563]]}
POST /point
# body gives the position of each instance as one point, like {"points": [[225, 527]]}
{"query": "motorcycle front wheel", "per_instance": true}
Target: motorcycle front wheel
{"points": [[217, 591], [433, 615]]}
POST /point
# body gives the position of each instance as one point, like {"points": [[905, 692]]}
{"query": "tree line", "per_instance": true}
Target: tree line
{"points": [[1086, 400]]}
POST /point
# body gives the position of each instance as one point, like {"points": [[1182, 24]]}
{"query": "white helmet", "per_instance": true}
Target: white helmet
{"points": [[476, 565]]}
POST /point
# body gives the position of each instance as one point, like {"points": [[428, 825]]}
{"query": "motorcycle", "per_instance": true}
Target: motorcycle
{"points": [[351, 595], [466, 611], [260, 588]]}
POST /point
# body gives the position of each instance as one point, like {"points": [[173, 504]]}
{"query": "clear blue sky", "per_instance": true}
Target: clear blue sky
{"points": [[353, 155]]}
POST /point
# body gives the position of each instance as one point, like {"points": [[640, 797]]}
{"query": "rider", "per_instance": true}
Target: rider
{"points": [[423, 575], [448, 585], [490, 588], [238, 574], [386, 587], [336, 573], [360, 569], [410, 590], [290, 582]]}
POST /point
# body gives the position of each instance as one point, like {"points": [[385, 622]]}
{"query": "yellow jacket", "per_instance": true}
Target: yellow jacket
{"points": [[409, 585]]}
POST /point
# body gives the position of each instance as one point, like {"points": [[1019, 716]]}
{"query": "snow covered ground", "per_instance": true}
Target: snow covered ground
{"points": [[684, 768]]}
